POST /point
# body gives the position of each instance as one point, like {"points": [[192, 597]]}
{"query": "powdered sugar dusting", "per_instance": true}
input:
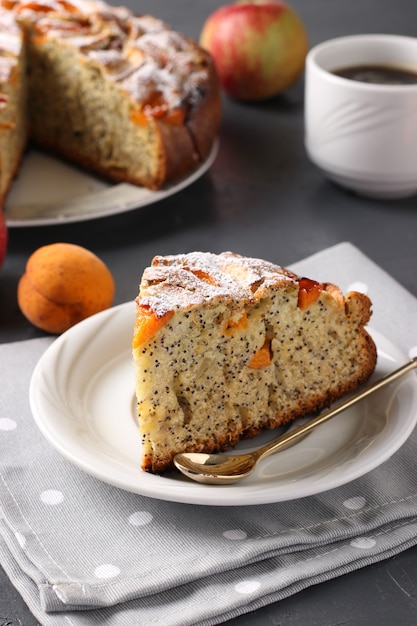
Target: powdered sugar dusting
{"points": [[189, 280]]}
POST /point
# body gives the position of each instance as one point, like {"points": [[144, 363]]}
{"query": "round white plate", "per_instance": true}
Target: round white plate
{"points": [[48, 191], [83, 400]]}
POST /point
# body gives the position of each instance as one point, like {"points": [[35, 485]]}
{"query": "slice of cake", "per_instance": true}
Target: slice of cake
{"points": [[13, 94], [225, 346], [123, 95]]}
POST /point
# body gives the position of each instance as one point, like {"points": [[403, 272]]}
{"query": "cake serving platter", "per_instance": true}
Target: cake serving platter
{"points": [[83, 401], [48, 191]]}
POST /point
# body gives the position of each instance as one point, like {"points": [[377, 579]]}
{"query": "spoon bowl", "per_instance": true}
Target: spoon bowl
{"points": [[215, 468], [224, 469]]}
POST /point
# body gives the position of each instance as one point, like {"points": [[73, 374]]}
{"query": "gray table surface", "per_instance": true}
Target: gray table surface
{"points": [[262, 197]]}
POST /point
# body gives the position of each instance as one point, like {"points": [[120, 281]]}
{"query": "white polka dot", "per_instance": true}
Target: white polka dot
{"points": [[106, 571], [364, 543], [358, 286], [413, 352], [52, 497], [140, 518], [358, 502], [235, 535], [247, 586], [21, 539], [7, 424]]}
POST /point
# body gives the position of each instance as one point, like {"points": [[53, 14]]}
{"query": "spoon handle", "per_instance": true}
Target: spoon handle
{"points": [[304, 429]]}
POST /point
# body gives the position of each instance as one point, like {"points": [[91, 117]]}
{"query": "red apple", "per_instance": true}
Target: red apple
{"points": [[258, 46], [3, 237]]}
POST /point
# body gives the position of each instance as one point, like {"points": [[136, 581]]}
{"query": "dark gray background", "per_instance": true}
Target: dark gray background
{"points": [[263, 198]]}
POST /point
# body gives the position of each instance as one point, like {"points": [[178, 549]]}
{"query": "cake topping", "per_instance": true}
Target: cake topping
{"points": [[189, 280]]}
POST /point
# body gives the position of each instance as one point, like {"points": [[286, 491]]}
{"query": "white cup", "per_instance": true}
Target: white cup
{"points": [[363, 135]]}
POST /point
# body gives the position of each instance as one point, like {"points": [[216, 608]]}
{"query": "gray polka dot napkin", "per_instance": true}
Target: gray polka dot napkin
{"points": [[82, 552]]}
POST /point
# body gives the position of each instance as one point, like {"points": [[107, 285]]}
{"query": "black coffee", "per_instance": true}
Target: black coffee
{"points": [[378, 74]]}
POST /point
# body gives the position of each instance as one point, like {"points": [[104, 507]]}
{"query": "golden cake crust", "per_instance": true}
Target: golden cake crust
{"points": [[226, 346]]}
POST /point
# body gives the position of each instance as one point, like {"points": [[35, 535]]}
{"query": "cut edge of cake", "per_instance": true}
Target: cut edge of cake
{"points": [[13, 97]]}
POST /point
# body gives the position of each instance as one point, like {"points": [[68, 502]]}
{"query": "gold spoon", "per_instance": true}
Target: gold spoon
{"points": [[222, 469]]}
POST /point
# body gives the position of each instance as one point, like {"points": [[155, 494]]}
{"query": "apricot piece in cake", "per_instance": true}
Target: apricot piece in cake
{"points": [[147, 324]]}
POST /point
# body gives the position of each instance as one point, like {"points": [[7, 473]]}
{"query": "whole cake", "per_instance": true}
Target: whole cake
{"points": [[123, 95], [225, 346]]}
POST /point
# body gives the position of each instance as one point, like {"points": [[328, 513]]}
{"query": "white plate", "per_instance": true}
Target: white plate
{"points": [[48, 191], [82, 398]]}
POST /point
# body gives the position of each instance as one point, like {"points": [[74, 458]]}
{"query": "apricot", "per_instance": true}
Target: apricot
{"points": [[63, 284], [148, 324]]}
